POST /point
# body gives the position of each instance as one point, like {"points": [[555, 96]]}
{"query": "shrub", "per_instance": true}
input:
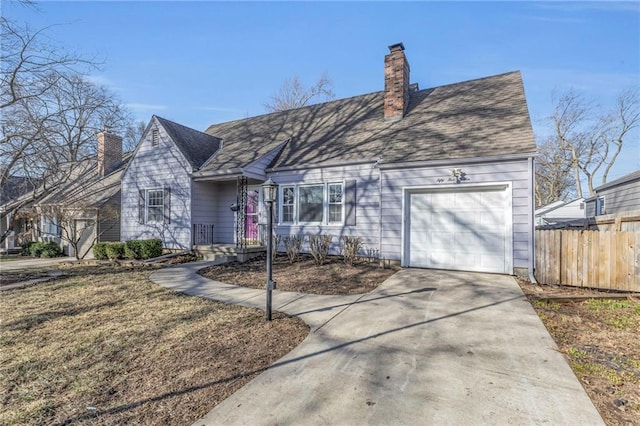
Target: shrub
{"points": [[26, 248], [36, 248], [293, 245], [133, 249], [352, 246], [50, 249], [115, 251], [100, 251], [319, 247], [151, 248]]}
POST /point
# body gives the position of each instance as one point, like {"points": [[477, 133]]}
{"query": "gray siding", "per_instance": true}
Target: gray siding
{"points": [[515, 172], [621, 198], [257, 168], [109, 223], [367, 203], [590, 208], [211, 204], [155, 167]]}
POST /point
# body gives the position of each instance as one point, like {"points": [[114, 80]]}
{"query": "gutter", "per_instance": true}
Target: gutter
{"points": [[411, 164], [320, 165]]}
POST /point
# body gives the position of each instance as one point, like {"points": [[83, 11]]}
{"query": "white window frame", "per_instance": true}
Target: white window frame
{"points": [[329, 203], [281, 204], [147, 205], [601, 205], [325, 204]]}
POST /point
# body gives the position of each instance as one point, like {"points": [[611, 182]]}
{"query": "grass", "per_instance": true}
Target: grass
{"points": [[107, 346], [599, 338]]}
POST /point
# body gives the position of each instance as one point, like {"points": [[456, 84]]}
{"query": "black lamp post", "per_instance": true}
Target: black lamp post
{"points": [[270, 190]]}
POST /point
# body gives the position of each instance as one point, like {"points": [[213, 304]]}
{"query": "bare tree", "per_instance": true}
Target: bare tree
{"points": [[50, 113], [293, 94], [554, 177], [132, 135], [592, 141]]}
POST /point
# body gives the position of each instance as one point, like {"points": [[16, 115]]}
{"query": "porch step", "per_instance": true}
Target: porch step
{"points": [[228, 252]]}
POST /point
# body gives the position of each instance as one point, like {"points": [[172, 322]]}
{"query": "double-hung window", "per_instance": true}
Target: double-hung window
{"points": [[288, 204], [335, 202], [312, 204], [154, 205]]}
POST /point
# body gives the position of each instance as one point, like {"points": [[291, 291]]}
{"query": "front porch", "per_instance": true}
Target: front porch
{"points": [[228, 219]]}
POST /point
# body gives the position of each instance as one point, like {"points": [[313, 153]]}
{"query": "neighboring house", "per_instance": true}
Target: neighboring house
{"points": [[81, 211], [561, 212], [434, 178], [617, 196], [15, 188]]}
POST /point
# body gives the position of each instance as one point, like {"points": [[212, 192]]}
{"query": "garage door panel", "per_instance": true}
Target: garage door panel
{"points": [[461, 229]]}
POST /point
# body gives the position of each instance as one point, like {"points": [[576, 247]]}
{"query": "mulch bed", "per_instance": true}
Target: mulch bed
{"points": [[304, 276]]}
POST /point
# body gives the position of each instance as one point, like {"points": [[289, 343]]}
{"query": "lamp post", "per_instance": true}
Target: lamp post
{"points": [[270, 189]]}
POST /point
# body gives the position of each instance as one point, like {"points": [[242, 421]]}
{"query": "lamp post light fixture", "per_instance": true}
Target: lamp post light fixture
{"points": [[270, 189]]}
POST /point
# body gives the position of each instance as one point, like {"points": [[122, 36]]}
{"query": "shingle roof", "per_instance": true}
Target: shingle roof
{"points": [[196, 146], [624, 179], [476, 118], [89, 189]]}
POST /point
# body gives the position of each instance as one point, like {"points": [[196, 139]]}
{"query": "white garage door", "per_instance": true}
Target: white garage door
{"points": [[467, 229]]}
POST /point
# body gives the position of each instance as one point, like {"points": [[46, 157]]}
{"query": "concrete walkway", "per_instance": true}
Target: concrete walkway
{"points": [[426, 347], [26, 264]]}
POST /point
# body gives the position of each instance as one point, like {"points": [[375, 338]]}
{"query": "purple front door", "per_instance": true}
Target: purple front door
{"points": [[251, 220]]}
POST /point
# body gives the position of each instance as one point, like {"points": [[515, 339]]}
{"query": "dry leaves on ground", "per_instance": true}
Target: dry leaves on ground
{"points": [[111, 347], [599, 338]]}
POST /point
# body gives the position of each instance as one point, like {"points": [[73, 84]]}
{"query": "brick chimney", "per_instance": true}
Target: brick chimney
{"points": [[396, 83], [109, 151]]}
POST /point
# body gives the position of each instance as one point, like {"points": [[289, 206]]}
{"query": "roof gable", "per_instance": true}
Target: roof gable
{"points": [[196, 147]]}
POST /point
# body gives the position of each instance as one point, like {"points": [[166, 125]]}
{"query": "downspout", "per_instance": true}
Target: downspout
{"points": [[380, 213], [532, 228]]}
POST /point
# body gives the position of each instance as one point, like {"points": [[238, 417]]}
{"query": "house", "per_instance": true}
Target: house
{"points": [[617, 196], [79, 210], [14, 188], [561, 212], [436, 178]]}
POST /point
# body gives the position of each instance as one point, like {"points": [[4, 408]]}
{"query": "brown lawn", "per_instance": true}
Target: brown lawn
{"points": [[104, 345], [600, 339]]}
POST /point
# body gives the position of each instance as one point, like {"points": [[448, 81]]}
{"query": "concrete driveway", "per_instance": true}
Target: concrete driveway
{"points": [[426, 347]]}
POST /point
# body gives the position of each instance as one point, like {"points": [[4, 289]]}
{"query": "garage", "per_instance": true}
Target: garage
{"points": [[465, 229]]}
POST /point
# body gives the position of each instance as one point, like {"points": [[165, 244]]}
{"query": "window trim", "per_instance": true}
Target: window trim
{"points": [[325, 204], [281, 205], [146, 205], [341, 203], [601, 205]]}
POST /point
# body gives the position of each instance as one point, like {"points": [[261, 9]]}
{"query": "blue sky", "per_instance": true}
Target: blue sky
{"points": [[200, 63]]}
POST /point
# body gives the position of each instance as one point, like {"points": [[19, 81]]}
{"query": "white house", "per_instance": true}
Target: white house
{"points": [[436, 178]]}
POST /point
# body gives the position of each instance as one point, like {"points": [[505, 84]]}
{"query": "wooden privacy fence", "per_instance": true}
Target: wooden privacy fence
{"points": [[598, 259]]}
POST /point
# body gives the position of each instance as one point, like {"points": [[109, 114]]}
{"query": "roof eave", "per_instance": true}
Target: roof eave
{"points": [[469, 160]]}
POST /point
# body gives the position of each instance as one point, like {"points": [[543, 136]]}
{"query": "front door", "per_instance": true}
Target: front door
{"points": [[251, 218]]}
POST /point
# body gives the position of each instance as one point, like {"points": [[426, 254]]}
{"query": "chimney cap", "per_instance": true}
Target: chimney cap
{"points": [[395, 47]]}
